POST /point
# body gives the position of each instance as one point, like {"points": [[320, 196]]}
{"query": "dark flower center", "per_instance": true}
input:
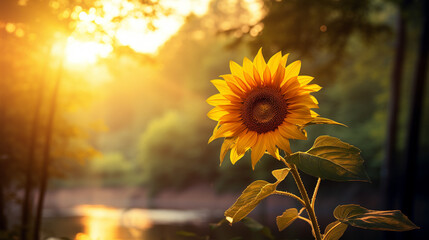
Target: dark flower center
{"points": [[264, 109]]}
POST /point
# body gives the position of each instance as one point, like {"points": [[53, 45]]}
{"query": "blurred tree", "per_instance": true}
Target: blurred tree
{"points": [[27, 36], [173, 151], [414, 122], [113, 169], [317, 30], [388, 170]]}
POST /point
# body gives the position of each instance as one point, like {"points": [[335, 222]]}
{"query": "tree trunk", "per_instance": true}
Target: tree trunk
{"points": [[46, 153], [27, 204], [414, 122], [3, 221], [388, 170]]}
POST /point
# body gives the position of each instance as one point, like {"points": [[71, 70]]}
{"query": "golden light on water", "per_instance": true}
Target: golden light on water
{"points": [[101, 222]]}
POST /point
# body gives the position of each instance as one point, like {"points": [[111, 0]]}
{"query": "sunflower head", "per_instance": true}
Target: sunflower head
{"points": [[260, 106]]}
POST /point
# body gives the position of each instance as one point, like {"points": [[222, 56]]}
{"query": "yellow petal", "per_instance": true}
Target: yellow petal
{"points": [[314, 99], [312, 87], [271, 145], [252, 83], [236, 69], [229, 78], [214, 132], [235, 156], [217, 99], [235, 89], [257, 77], [227, 144], [230, 117], [258, 150], [290, 88], [247, 66], [278, 76], [233, 98], [292, 70], [300, 111], [216, 113], [284, 60], [274, 62], [283, 143], [267, 76], [227, 130], [243, 85], [303, 100], [221, 86], [246, 140], [290, 131], [304, 80], [298, 120], [259, 62], [231, 108], [314, 114]]}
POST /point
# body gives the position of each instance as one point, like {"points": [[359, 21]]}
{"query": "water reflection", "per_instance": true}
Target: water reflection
{"points": [[98, 222], [101, 222]]}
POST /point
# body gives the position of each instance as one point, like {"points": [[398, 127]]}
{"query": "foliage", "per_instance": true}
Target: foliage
{"points": [[162, 145], [361, 217], [325, 149], [331, 159], [239, 109]]}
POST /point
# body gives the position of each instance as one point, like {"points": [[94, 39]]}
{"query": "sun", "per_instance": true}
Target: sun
{"points": [[85, 52], [97, 29]]}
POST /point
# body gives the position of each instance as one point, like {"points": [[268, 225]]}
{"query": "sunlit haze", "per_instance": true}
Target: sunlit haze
{"points": [[97, 30]]}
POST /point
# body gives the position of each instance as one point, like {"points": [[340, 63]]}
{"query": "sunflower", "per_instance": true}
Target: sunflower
{"points": [[260, 106]]}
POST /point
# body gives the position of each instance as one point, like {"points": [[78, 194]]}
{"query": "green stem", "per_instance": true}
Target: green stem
{"points": [[313, 199], [305, 219], [301, 210], [308, 206], [290, 195]]}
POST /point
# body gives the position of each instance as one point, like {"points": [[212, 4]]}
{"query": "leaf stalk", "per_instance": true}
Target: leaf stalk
{"points": [[290, 195]]}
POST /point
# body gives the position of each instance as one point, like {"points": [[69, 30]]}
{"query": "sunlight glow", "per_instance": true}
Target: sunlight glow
{"points": [[98, 29], [135, 35], [79, 52]]}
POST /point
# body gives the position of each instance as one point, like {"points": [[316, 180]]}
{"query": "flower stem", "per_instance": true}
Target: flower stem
{"points": [[308, 205]]}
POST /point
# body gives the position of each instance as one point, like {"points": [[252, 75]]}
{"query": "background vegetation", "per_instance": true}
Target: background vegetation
{"points": [[139, 119]]}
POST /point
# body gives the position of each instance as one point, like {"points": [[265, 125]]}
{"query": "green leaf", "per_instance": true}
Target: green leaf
{"points": [[249, 199], [332, 159], [217, 225], [334, 230], [287, 218], [252, 195], [357, 216], [321, 120], [252, 224], [255, 226], [280, 174], [267, 233]]}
